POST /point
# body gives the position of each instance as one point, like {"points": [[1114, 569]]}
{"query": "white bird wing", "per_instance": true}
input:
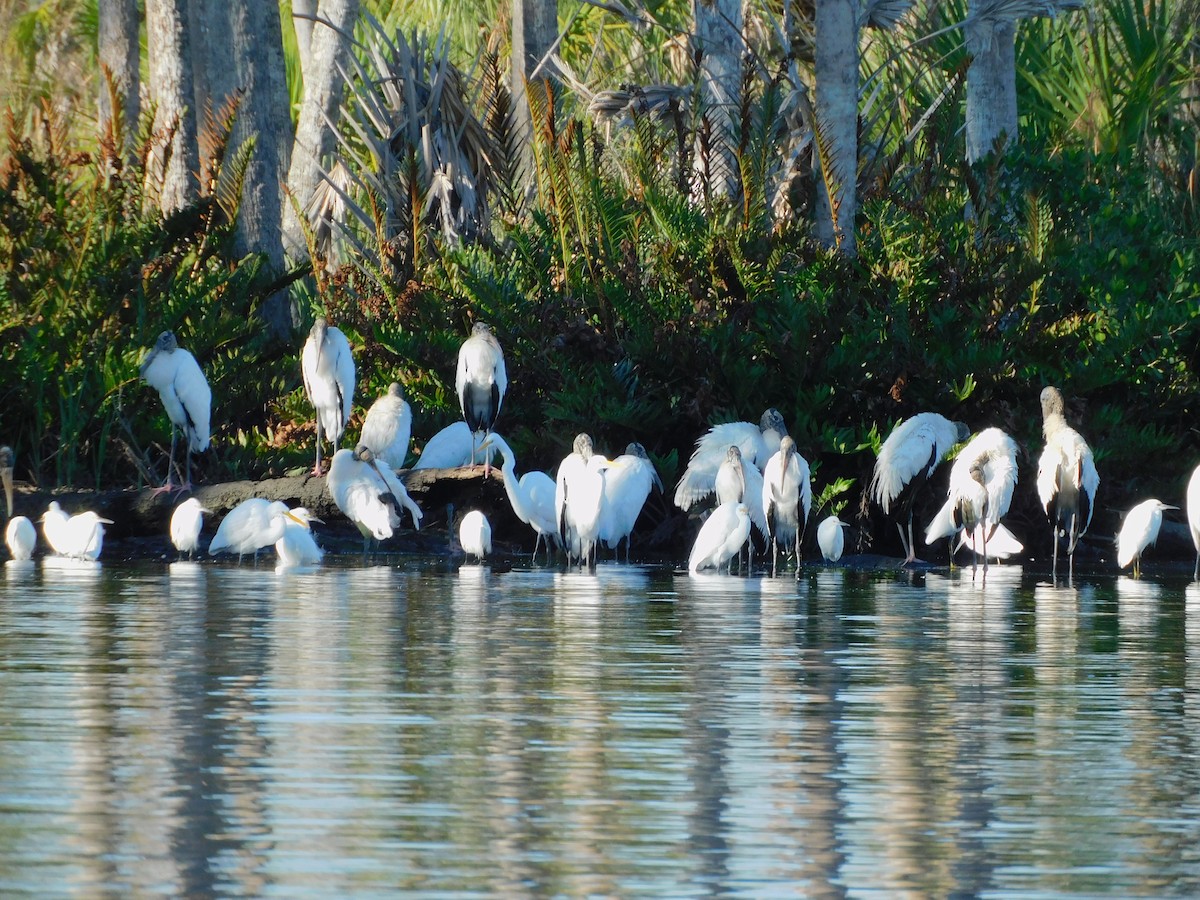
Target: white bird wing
{"points": [[1193, 507], [942, 525], [626, 488], [915, 445], [393, 485], [711, 537], [539, 489], [387, 430], [343, 365], [448, 449], [1001, 543], [699, 479]]}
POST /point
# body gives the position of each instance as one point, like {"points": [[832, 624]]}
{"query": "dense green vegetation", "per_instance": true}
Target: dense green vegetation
{"points": [[631, 309]]}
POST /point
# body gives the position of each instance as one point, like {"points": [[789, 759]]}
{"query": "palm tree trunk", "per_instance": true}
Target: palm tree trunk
{"points": [[303, 12], [118, 49], [176, 158], [991, 87], [836, 112], [717, 41], [534, 31], [315, 138]]}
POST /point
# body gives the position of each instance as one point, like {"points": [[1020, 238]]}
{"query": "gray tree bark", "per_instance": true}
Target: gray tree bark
{"points": [[119, 52], [175, 159], [717, 39], [302, 13], [836, 111], [315, 140], [991, 87], [262, 116], [534, 31]]}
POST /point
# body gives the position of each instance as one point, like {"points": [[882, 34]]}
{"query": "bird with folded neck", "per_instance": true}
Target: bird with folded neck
{"points": [[1067, 479], [175, 374], [481, 380], [328, 368]]}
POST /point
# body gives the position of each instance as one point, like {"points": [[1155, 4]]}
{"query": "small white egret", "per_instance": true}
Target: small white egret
{"points": [[328, 368], [186, 523], [1139, 531], [786, 499], [531, 496], [982, 481], [20, 537], [831, 538], [175, 374], [626, 489], [906, 460], [578, 494], [481, 379], [1067, 479], [296, 545], [756, 443], [6, 476], [721, 537], [1193, 515], [80, 536], [388, 427], [451, 448], [475, 535], [369, 494], [248, 527]]}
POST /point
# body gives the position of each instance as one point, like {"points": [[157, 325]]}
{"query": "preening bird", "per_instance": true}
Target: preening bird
{"points": [[475, 535], [531, 496], [756, 443], [369, 494], [20, 537], [452, 447], [831, 539], [1193, 514], [249, 527], [905, 463], [80, 536], [1139, 531], [388, 427], [6, 476], [786, 499], [982, 481], [175, 374], [1067, 479], [186, 523], [738, 481], [721, 537], [296, 545], [328, 368], [578, 494], [481, 380], [627, 486]]}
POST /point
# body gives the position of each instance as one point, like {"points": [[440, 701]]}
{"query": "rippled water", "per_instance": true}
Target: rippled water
{"points": [[352, 731]]}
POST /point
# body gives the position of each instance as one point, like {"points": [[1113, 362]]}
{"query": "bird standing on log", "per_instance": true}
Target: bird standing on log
{"points": [[175, 374], [481, 380], [328, 368]]}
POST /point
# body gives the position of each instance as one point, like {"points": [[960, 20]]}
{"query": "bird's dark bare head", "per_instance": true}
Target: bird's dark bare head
{"points": [[583, 445], [166, 342], [319, 327], [961, 432], [363, 453], [978, 474], [772, 420], [1052, 402], [734, 454], [6, 458], [480, 329], [636, 449], [394, 390]]}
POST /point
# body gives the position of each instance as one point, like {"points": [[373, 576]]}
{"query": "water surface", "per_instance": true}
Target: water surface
{"points": [[366, 730]]}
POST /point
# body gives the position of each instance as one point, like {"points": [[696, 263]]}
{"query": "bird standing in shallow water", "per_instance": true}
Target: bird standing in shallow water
{"points": [[831, 539], [186, 523], [907, 459], [1067, 479], [1138, 532], [1193, 514], [80, 536], [296, 545], [248, 527], [755, 443], [20, 537], [6, 476], [786, 499], [626, 488], [531, 496], [388, 427], [175, 374], [481, 380], [369, 494], [475, 535], [578, 495], [328, 368], [720, 538]]}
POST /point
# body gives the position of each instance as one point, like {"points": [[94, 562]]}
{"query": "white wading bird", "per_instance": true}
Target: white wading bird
{"points": [[176, 375], [249, 527], [905, 463], [369, 494], [786, 499], [80, 536], [578, 494], [721, 537], [20, 537], [328, 368], [475, 535], [6, 476], [452, 447], [982, 481], [756, 443], [626, 488], [1193, 514], [1138, 532], [186, 524], [388, 427], [1067, 479], [831, 539], [531, 496], [481, 380], [296, 545]]}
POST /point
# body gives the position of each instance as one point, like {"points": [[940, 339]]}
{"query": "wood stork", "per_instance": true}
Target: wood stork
{"points": [[388, 427], [175, 374], [369, 494], [627, 486], [328, 368], [786, 499], [1067, 479], [481, 379], [720, 538], [756, 443]]}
